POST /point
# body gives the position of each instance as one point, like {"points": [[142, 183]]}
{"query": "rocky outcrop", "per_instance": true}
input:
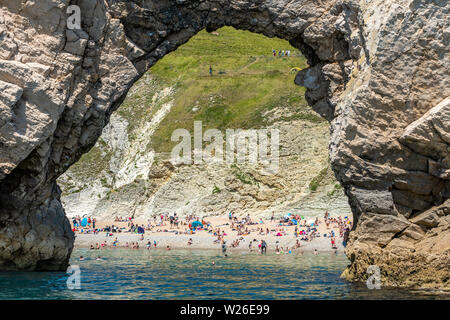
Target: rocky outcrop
{"points": [[379, 73]]}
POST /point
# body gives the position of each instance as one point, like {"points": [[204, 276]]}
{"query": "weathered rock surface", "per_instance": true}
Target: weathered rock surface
{"points": [[379, 73]]}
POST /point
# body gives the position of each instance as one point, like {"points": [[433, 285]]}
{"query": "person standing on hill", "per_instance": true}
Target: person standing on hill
{"points": [[210, 70]]}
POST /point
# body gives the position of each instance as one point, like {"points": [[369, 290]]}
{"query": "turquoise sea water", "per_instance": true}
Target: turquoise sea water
{"points": [[183, 274]]}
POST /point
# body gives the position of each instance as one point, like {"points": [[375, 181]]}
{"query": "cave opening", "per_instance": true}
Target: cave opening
{"points": [[224, 79]]}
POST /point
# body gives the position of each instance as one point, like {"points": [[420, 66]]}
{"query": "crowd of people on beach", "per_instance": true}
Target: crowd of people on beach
{"points": [[81, 224], [295, 225]]}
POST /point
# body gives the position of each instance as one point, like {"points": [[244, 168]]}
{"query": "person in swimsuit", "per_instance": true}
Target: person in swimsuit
{"points": [[263, 247], [224, 247]]}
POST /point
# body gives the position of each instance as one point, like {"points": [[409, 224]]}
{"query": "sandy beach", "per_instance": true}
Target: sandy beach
{"points": [[178, 237]]}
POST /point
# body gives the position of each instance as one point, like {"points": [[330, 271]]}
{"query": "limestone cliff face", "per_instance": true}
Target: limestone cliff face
{"points": [[379, 73], [127, 182]]}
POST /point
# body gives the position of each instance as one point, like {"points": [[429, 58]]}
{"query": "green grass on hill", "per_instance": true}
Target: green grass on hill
{"points": [[247, 81]]}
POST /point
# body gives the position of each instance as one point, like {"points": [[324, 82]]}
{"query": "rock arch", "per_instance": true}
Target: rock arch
{"points": [[378, 72]]}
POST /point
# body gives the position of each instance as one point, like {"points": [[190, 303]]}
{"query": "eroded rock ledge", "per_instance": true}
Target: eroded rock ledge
{"points": [[378, 72]]}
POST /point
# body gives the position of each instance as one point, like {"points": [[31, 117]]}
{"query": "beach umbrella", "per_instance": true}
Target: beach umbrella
{"points": [[84, 222], [197, 224], [294, 221]]}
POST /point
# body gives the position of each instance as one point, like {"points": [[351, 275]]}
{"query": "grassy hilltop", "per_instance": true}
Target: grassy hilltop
{"points": [[247, 81], [249, 89]]}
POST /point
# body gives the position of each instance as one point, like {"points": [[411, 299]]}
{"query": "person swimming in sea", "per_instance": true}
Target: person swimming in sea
{"points": [[81, 258], [99, 258], [224, 247]]}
